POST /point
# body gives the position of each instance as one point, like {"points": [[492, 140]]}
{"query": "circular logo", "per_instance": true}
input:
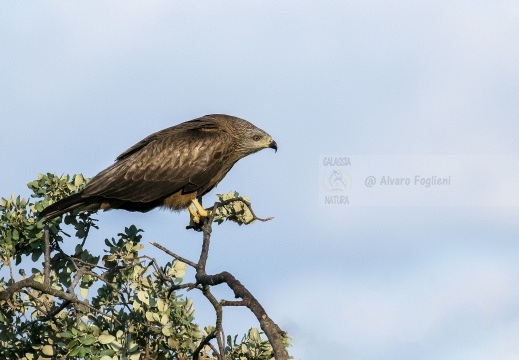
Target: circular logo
{"points": [[336, 181]]}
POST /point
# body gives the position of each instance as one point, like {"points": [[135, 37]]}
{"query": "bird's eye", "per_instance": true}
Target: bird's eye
{"points": [[256, 137]]}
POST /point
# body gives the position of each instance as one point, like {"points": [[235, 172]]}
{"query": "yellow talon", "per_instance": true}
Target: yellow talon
{"points": [[193, 211], [200, 209], [193, 214]]}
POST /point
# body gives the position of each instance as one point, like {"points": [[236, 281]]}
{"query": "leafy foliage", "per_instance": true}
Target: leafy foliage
{"points": [[235, 211], [133, 312]]}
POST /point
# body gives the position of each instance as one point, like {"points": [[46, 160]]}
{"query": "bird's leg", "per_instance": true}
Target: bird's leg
{"points": [[193, 211], [200, 209], [193, 214]]}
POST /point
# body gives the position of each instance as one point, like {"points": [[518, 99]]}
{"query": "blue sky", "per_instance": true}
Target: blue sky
{"points": [[81, 82]]}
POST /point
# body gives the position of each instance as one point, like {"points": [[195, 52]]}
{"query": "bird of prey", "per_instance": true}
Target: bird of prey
{"points": [[171, 168]]}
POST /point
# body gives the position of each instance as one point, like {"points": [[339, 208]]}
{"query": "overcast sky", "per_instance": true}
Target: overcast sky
{"points": [[82, 82]]}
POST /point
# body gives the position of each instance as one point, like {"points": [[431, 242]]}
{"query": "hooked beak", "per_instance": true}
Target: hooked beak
{"points": [[273, 145]]}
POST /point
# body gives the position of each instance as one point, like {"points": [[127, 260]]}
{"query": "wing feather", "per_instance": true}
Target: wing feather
{"points": [[188, 158]]}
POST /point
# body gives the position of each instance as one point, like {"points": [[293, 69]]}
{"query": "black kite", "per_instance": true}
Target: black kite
{"points": [[171, 168]]}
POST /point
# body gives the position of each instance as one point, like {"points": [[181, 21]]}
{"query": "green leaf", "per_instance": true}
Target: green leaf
{"points": [[107, 352], [106, 339], [78, 179], [75, 351], [149, 315], [255, 335], [166, 330], [89, 340], [144, 297], [173, 343]]}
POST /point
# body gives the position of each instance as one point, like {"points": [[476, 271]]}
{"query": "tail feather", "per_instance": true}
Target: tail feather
{"points": [[67, 204]]}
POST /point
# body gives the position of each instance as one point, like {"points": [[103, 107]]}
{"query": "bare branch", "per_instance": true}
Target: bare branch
{"points": [[11, 277], [188, 286], [179, 258], [46, 267], [218, 309], [31, 283], [233, 303], [203, 343], [157, 268], [49, 316], [76, 280], [269, 327]]}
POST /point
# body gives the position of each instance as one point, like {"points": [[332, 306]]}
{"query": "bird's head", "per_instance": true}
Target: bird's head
{"points": [[255, 139], [248, 138]]}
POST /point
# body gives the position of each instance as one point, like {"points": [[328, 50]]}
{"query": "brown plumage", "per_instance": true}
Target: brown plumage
{"points": [[170, 168]]}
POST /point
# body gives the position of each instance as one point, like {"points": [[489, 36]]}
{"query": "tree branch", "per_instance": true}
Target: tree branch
{"points": [[47, 289], [172, 254], [203, 343], [218, 329], [203, 282], [46, 266], [49, 316], [31, 283], [269, 327], [247, 203]]}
